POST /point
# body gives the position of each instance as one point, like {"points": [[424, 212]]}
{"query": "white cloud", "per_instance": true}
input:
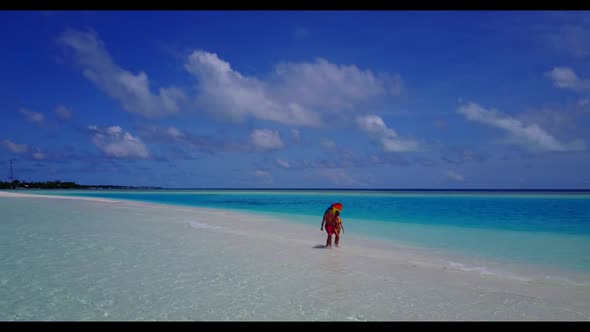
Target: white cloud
{"points": [[115, 142], [14, 147], [174, 133], [32, 116], [295, 94], [325, 85], [584, 102], [283, 163], [566, 78], [399, 145], [530, 136], [266, 139], [168, 134], [132, 91], [39, 155], [261, 173], [226, 93], [565, 31], [375, 127], [563, 77], [454, 176], [571, 38], [23, 148], [552, 121], [63, 113]]}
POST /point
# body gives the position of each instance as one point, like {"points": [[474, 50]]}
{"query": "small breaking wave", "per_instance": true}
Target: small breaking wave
{"points": [[566, 281], [535, 277], [199, 225], [485, 271]]}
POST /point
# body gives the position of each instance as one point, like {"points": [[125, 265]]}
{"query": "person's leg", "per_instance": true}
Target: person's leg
{"points": [[329, 230], [336, 237]]}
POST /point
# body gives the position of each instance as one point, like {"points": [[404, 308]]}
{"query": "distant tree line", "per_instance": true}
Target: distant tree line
{"points": [[16, 184]]}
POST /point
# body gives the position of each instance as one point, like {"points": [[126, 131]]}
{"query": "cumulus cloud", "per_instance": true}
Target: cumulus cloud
{"points": [[283, 163], [63, 113], [14, 147], [266, 139], [566, 78], [375, 127], [454, 176], [115, 142], [530, 136], [563, 77], [326, 85], [226, 93], [131, 90], [294, 94], [32, 116]]}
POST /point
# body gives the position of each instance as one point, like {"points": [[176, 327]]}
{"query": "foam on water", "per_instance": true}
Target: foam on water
{"points": [[484, 271], [200, 225]]}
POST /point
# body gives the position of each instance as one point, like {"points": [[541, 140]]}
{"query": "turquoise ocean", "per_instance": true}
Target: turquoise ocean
{"points": [[544, 229]]}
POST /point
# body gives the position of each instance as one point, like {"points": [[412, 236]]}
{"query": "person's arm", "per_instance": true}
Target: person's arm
{"points": [[323, 220], [342, 226]]}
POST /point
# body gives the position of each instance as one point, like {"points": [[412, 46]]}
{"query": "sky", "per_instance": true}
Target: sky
{"points": [[297, 99]]}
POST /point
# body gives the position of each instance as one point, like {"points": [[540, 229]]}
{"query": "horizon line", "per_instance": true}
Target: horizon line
{"points": [[339, 189]]}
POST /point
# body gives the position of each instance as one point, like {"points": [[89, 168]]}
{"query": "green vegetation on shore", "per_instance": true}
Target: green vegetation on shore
{"points": [[16, 184]]}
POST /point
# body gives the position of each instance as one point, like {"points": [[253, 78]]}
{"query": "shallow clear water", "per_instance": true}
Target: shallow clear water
{"points": [[84, 260], [540, 228]]}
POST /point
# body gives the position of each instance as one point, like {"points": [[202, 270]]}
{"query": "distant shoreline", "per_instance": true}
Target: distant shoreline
{"points": [[101, 187]]}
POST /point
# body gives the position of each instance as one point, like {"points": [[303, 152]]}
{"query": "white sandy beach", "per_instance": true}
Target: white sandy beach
{"points": [[99, 259]]}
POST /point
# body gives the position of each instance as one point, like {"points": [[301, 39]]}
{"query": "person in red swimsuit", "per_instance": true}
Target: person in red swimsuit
{"points": [[328, 220]]}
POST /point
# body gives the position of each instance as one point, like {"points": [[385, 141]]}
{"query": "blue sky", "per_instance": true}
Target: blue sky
{"points": [[297, 99]]}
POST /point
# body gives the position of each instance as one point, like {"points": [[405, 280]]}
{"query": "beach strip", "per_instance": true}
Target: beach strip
{"points": [[142, 261]]}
